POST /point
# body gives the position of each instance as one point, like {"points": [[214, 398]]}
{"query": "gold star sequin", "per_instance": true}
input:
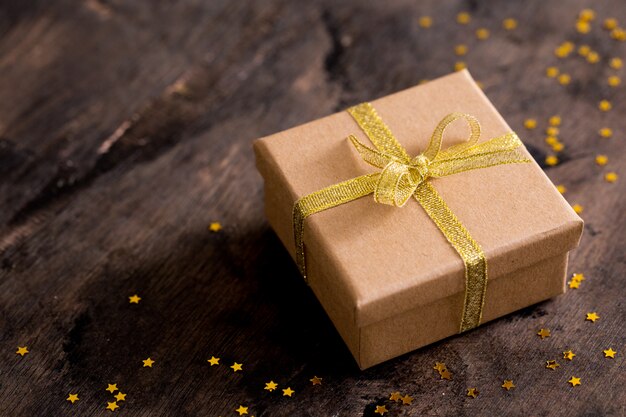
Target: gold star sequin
{"points": [[602, 160], [574, 285], [241, 410], [577, 276], [395, 396], [593, 57], [552, 72], [583, 50], [569, 355], [147, 363], [574, 381], [215, 227], [472, 392], [543, 333], [564, 79], [552, 160], [605, 132], [616, 63], [439, 366], [112, 406], [381, 409], [288, 392], [237, 367], [112, 388], [610, 177], [508, 384], [618, 34], [482, 34], [613, 81], [586, 15], [407, 400], [460, 65], [120, 396], [22, 350], [72, 398], [552, 365], [316, 380], [530, 123], [592, 317], [134, 299], [609, 24], [425, 22], [213, 361], [270, 386], [578, 208], [557, 147], [554, 120], [561, 189], [445, 374], [609, 353], [509, 23], [583, 27], [552, 131], [551, 140], [460, 49], [605, 105], [463, 18]]}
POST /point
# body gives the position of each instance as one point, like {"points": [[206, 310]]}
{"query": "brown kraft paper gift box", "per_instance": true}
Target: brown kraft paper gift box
{"points": [[386, 276]]}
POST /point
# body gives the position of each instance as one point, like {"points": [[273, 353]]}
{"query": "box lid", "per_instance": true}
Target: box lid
{"points": [[387, 260]]}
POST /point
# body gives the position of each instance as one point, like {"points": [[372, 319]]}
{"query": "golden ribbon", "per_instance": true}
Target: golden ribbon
{"points": [[402, 177]]}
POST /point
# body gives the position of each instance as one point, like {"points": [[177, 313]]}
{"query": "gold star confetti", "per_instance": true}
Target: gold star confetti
{"points": [[552, 160], [22, 350], [552, 72], [213, 361], [270, 386], [574, 381], [605, 132], [578, 208], [602, 160], [439, 366], [564, 49], [381, 409], [241, 410], [508, 384], [551, 140], [557, 147], [583, 50], [482, 34], [112, 406], [564, 79], [72, 398], [552, 131], [561, 189], [592, 317], [215, 227], [605, 105], [614, 81], [407, 400], [316, 380], [616, 63], [463, 18], [554, 120], [425, 22], [460, 49], [288, 392], [237, 367], [609, 24], [618, 34], [552, 365], [569, 355], [583, 27], [543, 333], [609, 353], [445, 374], [460, 65], [112, 388], [574, 285], [134, 299], [593, 57], [147, 363], [509, 23], [577, 276], [395, 396], [610, 177], [120, 396], [530, 123], [586, 15], [472, 392]]}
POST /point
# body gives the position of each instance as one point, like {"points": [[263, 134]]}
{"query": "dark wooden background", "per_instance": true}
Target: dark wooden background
{"points": [[126, 128]]}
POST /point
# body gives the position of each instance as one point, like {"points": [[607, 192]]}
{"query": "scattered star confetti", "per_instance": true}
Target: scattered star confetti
{"points": [[270, 386], [543, 333], [602, 160], [551, 140], [593, 57], [134, 299], [614, 81], [555, 120], [112, 406], [147, 363], [605, 132], [552, 160], [215, 227], [460, 50], [73, 398], [482, 34], [112, 388], [557, 147], [561, 189], [577, 276], [395, 396], [425, 22], [616, 63], [381, 409], [610, 177], [472, 392], [578, 208], [574, 381], [552, 365], [445, 374], [242, 410], [605, 105], [564, 79], [213, 361], [569, 355], [586, 15], [407, 400], [236, 367], [592, 317], [508, 384], [552, 72], [439, 366], [574, 285], [530, 123], [22, 350], [288, 392], [458, 66], [509, 23], [552, 131], [463, 18], [316, 380], [120, 396], [583, 50], [609, 24], [609, 353]]}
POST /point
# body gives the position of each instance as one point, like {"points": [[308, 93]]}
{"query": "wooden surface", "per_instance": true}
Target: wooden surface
{"points": [[126, 128]]}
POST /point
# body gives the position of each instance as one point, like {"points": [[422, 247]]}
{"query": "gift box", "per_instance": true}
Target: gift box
{"points": [[404, 240]]}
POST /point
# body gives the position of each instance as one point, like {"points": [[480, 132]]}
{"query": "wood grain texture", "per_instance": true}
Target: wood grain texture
{"points": [[126, 128]]}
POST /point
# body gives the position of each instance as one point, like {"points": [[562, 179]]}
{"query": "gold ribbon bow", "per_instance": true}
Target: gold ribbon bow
{"points": [[402, 177]]}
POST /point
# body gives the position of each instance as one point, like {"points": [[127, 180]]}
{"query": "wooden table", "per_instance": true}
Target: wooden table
{"points": [[126, 129]]}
